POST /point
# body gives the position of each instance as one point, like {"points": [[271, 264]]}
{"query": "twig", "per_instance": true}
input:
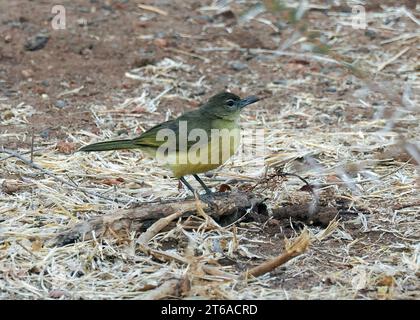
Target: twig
{"points": [[299, 246], [163, 255], [32, 144], [403, 36], [189, 54], [27, 250], [23, 153], [155, 228], [406, 205], [399, 54], [152, 9], [168, 289], [70, 92], [213, 271], [208, 220]]}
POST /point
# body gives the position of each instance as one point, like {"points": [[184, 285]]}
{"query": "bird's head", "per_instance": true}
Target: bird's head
{"points": [[227, 105]]}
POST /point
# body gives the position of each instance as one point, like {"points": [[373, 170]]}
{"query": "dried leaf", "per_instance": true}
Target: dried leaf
{"points": [[224, 187], [65, 147]]}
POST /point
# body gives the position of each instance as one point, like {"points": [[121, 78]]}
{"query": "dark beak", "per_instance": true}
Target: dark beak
{"points": [[248, 100]]}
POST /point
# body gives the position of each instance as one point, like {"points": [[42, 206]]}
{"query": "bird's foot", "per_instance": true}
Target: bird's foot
{"points": [[207, 198]]}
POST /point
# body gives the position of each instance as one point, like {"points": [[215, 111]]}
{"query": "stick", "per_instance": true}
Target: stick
{"points": [[299, 246], [168, 289], [189, 54], [32, 144], [224, 206], [152, 9], [159, 225], [399, 54]]}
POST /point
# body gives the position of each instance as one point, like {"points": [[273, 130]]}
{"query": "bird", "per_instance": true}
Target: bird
{"points": [[197, 141]]}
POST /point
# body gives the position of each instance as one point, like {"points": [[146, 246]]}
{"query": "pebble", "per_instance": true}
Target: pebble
{"points": [[238, 66], [370, 33], [331, 89], [37, 42], [280, 81], [60, 104], [27, 73], [45, 134]]}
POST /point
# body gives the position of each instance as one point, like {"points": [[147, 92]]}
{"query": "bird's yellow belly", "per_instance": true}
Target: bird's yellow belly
{"points": [[203, 159]]}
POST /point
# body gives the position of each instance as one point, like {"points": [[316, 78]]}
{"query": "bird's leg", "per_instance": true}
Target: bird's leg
{"points": [[208, 191], [182, 179], [207, 197]]}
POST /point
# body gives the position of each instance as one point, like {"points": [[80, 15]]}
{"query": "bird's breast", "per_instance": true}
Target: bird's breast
{"points": [[203, 157]]}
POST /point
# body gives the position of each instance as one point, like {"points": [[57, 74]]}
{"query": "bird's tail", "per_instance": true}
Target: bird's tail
{"points": [[109, 145]]}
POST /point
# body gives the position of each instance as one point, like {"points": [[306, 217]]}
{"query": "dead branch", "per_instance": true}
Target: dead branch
{"points": [[224, 208]]}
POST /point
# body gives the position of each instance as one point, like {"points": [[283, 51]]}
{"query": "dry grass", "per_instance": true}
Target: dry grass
{"points": [[363, 147]]}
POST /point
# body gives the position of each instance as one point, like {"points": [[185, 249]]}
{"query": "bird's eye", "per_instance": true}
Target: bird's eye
{"points": [[230, 103]]}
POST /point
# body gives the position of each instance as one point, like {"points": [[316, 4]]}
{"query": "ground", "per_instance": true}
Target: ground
{"points": [[119, 68]]}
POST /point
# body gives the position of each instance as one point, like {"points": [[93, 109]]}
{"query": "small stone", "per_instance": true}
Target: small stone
{"points": [[238, 65], [84, 9], [37, 42], [45, 83], [60, 104], [45, 134], [122, 132], [280, 81], [27, 73], [45, 96], [264, 57], [370, 33], [89, 80], [7, 38], [331, 89], [107, 7], [160, 43]]}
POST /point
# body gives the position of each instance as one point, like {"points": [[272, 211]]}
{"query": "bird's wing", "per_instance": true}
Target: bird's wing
{"points": [[193, 120]]}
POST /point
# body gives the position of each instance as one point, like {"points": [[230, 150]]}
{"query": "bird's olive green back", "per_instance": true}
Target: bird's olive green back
{"points": [[214, 114]]}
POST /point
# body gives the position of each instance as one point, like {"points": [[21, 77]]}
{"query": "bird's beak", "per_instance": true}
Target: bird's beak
{"points": [[248, 100]]}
